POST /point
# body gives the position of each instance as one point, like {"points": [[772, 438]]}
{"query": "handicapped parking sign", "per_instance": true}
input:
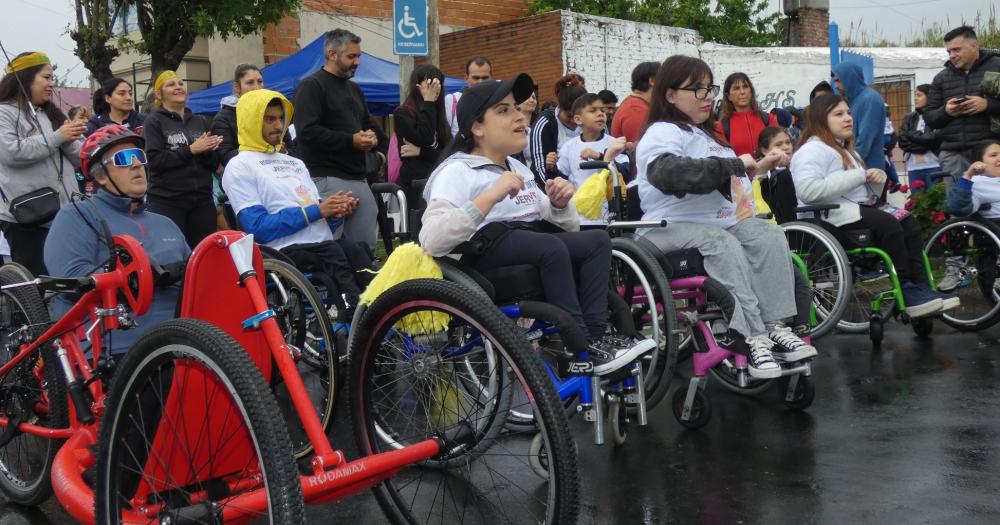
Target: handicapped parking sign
{"points": [[409, 22]]}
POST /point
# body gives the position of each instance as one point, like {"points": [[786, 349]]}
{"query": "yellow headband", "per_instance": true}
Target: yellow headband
{"points": [[162, 79], [26, 61]]}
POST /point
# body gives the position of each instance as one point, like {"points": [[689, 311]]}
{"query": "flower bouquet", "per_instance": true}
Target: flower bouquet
{"points": [[927, 206]]}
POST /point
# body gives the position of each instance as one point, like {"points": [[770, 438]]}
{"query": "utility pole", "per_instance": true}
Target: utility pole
{"points": [[434, 32], [405, 69]]}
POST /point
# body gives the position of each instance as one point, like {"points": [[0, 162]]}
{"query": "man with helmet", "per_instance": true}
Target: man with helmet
{"points": [[112, 157]]}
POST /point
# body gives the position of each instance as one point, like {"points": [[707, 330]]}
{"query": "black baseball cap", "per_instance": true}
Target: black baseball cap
{"points": [[477, 99]]}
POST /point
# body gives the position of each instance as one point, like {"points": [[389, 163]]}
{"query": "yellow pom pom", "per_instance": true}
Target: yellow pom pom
{"points": [[592, 194], [408, 262], [610, 194]]}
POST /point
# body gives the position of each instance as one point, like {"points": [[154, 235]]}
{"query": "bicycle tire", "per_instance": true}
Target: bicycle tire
{"points": [[319, 365], [188, 348], [656, 382], [460, 464], [35, 488]]}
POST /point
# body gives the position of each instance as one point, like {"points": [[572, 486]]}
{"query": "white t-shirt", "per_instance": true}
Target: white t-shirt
{"points": [[713, 209], [275, 181], [458, 184], [921, 161], [569, 165], [986, 190], [451, 111], [564, 134]]}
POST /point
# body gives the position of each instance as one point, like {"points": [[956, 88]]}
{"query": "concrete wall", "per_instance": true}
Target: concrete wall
{"points": [[604, 50], [784, 76], [227, 54]]}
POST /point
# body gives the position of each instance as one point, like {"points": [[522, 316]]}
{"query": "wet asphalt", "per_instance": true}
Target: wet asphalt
{"points": [[909, 433]]}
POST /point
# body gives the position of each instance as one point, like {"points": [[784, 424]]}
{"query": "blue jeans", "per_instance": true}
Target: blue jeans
{"points": [[922, 175]]}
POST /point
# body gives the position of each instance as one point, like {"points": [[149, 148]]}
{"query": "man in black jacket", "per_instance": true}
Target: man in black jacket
{"points": [[336, 136], [955, 104]]}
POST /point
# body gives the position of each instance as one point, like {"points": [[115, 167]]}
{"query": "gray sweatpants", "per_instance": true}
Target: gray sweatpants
{"points": [[955, 162], [750, 259], [362, 225]]}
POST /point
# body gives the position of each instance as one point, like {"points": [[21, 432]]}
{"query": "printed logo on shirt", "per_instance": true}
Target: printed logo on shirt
{"points": [[177, 140]]}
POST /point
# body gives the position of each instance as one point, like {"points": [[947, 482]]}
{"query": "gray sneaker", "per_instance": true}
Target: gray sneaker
{"points": [[954, 276]]}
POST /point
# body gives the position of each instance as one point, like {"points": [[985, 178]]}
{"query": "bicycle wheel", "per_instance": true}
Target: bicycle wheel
{"points": [[641, 281], [971, 248], [827, 269], [189, 435], [406, 388], [26, 459], [304, 322]]}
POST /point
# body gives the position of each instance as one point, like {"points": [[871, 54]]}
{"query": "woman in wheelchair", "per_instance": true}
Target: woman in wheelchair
{"points": [[979, 185], [77, 244], [480, 194], [827, 170], [693, 179]]}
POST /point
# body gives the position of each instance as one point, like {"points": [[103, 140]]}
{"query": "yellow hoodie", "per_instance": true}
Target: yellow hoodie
{"points": [[250, 119]]}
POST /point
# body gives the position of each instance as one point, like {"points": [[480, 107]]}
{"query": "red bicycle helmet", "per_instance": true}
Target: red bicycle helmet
{"points": [[100, 141]]}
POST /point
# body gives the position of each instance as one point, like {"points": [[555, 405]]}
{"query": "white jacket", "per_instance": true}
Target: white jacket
{"points": [[820, 178]]}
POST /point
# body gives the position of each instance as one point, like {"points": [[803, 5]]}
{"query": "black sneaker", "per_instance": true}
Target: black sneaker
{"points": [[788, 347], [609, 354], [762, 364]]}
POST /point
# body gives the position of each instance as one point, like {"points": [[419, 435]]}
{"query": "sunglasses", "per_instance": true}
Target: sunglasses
{"points": [[124, 158]]}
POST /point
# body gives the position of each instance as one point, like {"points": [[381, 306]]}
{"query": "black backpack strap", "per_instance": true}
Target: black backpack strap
{"points": [[764, 117], [725, 128]]}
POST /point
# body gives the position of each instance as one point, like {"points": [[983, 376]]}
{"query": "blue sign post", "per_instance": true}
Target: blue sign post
{"points": [[409, 24]]}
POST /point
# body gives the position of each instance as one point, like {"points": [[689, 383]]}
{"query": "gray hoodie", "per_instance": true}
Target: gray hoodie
{"points": [[445, 225], [30, 157]]}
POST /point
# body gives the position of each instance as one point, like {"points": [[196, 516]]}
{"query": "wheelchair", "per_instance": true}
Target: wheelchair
{"points": [[969, 245], [867, 289]]}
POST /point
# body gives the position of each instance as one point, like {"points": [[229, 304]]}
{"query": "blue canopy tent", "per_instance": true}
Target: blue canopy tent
{"points": [[378, 78]]}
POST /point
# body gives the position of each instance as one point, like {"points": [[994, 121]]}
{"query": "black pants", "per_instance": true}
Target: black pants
{"points": [[555, 255], [197, 221], [27, 245], [340, 260], [900, 239]]}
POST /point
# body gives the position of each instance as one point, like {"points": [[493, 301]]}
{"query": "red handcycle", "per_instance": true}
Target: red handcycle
{"points": [[189, 430]]}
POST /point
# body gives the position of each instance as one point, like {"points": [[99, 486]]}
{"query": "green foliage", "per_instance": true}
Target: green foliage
{"points": [[928, 207], [734, 22], [930, 34]]}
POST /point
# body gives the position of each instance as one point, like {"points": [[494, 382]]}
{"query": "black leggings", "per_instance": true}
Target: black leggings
{"points": [[900, 239], [27, 245], [555, 255], [197, 222]]}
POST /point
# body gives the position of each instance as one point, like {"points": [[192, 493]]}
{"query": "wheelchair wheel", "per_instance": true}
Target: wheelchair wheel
{"points": [[876, 330], [26, 459], [412, 379], [617, 419], [923, 326], [827, 269], [701, 410], [969, 246], [189, 435], [302, 317], [641, 281], [728, 376], [802, 396]]}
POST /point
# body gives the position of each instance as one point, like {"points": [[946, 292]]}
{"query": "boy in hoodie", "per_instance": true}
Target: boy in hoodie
{"points": [[275, 199], [868, 111]]}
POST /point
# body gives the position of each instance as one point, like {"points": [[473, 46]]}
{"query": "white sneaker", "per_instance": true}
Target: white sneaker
{"points": [[954, 276], [609, 354], [761, 361], [788, 347]]}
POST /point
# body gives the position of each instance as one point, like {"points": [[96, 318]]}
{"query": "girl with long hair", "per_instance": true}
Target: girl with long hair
{"points": [[39, 149], [422, 130], [827, 170], [689, 176]]}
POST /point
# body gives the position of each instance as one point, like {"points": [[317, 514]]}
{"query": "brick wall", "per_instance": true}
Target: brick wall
{"points": [[530, 45], [810, 28], [281, 39], [466, 13]]}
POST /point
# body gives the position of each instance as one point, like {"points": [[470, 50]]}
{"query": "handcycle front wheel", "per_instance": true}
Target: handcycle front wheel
{"points": [[26, 459], [411, 358], [189, 433]]}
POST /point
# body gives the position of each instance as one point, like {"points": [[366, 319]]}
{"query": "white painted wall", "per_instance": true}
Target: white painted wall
{"points": [[604, 50]]}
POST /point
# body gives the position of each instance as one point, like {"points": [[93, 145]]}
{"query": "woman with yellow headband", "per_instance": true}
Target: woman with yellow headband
{"points": [[39, 150], [182, 156]]}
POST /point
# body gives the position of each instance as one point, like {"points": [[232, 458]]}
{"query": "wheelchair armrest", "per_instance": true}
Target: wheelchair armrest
{"points": [[386, 188], [634, 225], [766, 216], [816, 207], [593, 165], [939, 175], [467, 248]]}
